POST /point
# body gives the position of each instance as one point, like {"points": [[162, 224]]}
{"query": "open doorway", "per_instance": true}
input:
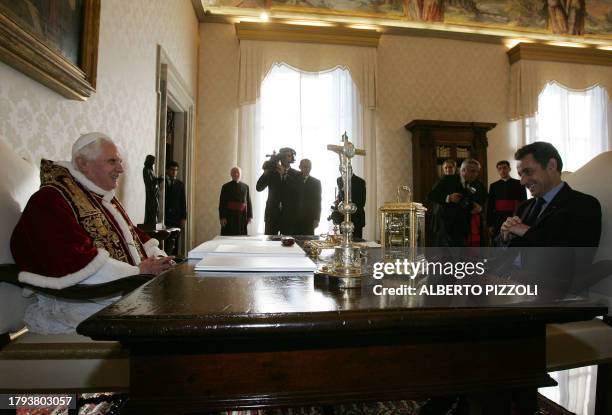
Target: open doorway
{"points": [[175, 134]]}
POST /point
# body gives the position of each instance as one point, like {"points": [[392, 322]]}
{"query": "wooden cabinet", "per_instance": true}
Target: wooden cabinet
{"points": [[435, 141]]}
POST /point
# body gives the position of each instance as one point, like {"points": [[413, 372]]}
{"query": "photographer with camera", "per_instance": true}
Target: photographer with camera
{"points": [[283, 185], [460, 199]]}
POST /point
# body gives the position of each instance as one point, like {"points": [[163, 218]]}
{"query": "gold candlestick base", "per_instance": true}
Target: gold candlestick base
{"points": [[345, 271]]}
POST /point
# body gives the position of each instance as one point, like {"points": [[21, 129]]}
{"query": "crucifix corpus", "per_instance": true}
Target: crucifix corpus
{"points": [[346, 269]]}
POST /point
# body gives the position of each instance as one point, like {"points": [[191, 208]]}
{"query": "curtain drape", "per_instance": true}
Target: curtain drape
{"points": [[256, 61], [257, 58], [529, 77], [575, 122]]}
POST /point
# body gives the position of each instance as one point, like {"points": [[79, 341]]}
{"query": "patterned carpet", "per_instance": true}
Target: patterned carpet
{"points": [[110, 404]]}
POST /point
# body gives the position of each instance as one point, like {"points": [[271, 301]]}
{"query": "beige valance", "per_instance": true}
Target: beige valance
{"points": [[529, 77], [258, 57]]}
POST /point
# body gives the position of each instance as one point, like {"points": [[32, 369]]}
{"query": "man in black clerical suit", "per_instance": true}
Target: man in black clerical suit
{"points": [[358, 196], [235, 211], [175, 206], [283, 185], [557, 231], [505, 195], [309, 211], [460, 199]]}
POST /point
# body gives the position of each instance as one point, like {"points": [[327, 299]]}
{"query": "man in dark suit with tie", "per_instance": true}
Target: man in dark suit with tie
{"points": [[175, 206], [309, 211], [557, 231], [460, 199], [283, 184]]}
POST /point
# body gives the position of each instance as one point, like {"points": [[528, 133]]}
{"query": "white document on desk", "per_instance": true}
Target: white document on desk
{"points": [[243, 246], [264, 248], [253, 263]]}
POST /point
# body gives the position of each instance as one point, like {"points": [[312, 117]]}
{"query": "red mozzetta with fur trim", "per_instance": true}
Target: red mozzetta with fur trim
{"points": [[49, 241]]}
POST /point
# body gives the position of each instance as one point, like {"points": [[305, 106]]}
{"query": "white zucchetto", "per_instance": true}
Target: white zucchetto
{"points": [[87, 139]]}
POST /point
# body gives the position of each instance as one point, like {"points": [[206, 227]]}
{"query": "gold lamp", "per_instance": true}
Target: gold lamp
{"points": [[402, 227]]}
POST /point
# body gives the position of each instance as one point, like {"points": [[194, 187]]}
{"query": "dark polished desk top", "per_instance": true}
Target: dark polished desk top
{"points": [[185, 304]]}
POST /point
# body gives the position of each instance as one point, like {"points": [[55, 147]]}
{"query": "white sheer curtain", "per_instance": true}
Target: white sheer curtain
{"points": [[577, 123], [354, 106], [576, 389], [305, 111]]}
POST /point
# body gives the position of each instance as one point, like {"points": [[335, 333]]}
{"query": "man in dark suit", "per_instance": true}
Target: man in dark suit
{"points": [[309, 211], [460, 199], [283, 184], [505, 195], [358, 196], [235, 210], [557, 231], [175, 206]]}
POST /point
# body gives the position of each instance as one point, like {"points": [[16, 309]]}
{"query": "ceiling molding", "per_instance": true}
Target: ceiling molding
{"points": [[543, 52], [212, 12], [199, 9], [308, 34]]}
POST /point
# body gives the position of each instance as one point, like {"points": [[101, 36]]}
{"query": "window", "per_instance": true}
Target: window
{"points": [[577, 123], [308, 111]]}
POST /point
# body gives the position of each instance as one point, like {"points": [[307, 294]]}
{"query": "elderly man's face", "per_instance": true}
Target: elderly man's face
{"points": [[470, 173], [235, 173], [305, 167], [535, 178], [104, 170]]}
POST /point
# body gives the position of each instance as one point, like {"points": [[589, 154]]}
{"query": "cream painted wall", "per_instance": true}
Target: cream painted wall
{"points": [[418, 78], [437, 79], [217, 122], [39, 123]]}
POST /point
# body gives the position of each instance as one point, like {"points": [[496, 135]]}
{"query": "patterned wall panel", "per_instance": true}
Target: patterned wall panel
{"points": [[217, 122], [436, 79], [417, 78], [39, 123]]}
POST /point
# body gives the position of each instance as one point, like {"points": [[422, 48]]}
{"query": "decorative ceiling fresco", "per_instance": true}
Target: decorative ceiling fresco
{"points": [[591, 18]]}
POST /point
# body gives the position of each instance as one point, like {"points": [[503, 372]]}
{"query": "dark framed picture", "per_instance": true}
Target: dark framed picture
{"points": [[54, 42]]}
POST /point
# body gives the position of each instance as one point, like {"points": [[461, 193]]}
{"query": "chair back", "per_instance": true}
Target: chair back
{"points": [[594, 179], [19, 180]]}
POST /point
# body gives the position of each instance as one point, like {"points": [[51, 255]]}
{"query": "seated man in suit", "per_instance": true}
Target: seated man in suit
{"points": [[460, 199], [557, 231], [74, 231], [309, 210]]}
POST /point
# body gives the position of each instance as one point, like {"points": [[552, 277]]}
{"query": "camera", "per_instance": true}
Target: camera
{"points": [[276, 158], [335, 216], [467, 199]]}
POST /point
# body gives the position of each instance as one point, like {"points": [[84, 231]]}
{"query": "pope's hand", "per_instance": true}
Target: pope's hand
{"points": [[156, 266]]}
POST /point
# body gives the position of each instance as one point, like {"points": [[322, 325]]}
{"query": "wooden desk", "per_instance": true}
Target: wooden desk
{"points": [[204, 343]]}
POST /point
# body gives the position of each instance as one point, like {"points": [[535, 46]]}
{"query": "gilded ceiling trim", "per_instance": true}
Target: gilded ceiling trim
{"points": [[306, 34], [543, 52]]}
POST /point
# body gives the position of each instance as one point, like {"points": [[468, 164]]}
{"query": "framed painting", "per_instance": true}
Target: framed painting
{"points": [[53, 42]]}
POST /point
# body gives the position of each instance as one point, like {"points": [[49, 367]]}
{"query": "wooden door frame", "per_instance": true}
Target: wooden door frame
{"points": [[172, 93]]}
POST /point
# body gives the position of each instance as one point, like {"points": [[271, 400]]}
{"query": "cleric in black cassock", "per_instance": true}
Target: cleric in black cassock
{"points": [[235, 211], [504, 197]]}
